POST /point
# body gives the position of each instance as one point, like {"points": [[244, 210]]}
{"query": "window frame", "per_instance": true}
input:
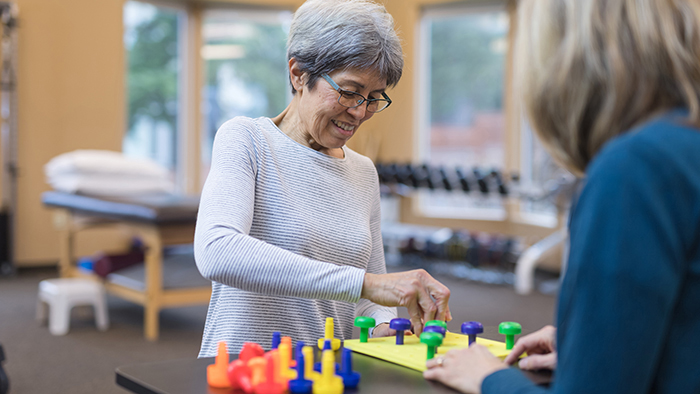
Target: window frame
{"points": [[514, 219], [422, 105]]}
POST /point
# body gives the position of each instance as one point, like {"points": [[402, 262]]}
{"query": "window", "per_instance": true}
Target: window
{"points": [[462, 122], [153, 37], [543, 180], [245, 63]]}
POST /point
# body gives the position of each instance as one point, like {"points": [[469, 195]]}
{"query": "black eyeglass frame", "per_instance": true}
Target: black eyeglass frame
{"points": [[364, 99]]}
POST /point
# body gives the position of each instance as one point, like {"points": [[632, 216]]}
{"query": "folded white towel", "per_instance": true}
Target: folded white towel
{"points": [[106, 173], [89, 161]]}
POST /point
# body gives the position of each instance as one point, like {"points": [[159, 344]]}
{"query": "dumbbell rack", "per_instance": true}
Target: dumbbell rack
{"points": [[403, 179], [8, 133]]}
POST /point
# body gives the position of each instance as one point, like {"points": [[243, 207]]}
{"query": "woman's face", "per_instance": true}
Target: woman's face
{"points": [[326, 121]]}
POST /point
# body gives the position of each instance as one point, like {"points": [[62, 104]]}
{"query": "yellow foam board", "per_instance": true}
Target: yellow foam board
{"points": [[412, 354]]}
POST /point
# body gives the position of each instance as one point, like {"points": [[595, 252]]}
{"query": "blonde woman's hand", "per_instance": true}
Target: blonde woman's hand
{"points": [[464, 369], [540, 347]]}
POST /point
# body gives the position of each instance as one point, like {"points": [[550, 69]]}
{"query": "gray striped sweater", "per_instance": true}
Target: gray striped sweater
{"points": [[285, 234]]}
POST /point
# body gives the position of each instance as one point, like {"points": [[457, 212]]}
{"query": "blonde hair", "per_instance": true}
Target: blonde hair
{"points": [[590, 70]]}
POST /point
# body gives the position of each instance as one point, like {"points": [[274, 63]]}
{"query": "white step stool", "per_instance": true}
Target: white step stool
{"points": [[62, 294]]}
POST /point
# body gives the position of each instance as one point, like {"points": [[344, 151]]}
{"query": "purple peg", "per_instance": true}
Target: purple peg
{"points": [[400, 325], [437, 329], [472, 328]]}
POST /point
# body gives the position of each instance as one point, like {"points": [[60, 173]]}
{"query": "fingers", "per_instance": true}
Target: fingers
{"points": [[539, 361], [515, 353], [424, 297], [415, 316], [432, 363], [539, 342], [383, 330], [440, 294]]}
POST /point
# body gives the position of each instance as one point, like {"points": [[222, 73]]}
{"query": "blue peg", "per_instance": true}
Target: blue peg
{"points": [[472, 328], [400, 325], [350, 378]]}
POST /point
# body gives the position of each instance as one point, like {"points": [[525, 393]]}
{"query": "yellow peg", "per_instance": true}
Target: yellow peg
{"points": [[309, 372], [285, 352], [329, 382], [335, 342]]}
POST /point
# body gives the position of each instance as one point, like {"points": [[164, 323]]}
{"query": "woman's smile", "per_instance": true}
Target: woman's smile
{"points": [[344, 128]]}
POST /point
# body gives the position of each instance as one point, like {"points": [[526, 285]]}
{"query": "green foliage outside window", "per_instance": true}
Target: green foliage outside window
{"points": [[153, 70], [467, 67]]}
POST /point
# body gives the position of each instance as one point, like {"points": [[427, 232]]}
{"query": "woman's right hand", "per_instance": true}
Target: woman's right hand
{"points": [[423, 296], [540, 347]]}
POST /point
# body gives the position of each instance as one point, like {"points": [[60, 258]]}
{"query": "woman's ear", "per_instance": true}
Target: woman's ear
{"points": [[297, 76]]}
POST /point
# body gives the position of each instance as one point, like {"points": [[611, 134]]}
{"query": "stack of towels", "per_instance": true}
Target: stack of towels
{"points": [[107, 173]]}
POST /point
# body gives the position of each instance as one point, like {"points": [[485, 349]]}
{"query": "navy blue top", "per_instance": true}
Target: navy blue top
{"points": [[629, 308]]}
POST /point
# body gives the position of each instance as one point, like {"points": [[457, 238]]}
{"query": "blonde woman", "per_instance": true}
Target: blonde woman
{"points": [[613, 90]]}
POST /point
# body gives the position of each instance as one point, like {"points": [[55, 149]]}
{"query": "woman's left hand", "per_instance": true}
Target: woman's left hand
{"points": [[383, 330], [464, 369]]}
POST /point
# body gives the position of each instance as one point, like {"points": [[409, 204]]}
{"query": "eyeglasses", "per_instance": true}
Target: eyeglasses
{"points": [[351, 99]]}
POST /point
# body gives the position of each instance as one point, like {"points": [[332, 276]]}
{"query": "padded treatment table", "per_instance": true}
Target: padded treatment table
{"points": [[159, 220]]}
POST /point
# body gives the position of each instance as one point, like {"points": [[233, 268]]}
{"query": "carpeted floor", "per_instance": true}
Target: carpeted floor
{"points": [[84, 360]]}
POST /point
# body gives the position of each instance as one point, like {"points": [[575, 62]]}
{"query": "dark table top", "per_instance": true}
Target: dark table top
{"points": [[189, 376], [155, 208]]}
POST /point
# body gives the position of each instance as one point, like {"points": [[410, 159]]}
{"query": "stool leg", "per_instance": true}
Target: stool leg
{"points": [[41, 310], [101, 313], [59, 316]]}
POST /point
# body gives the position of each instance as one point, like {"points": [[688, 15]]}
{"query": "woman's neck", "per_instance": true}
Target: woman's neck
{"points": [[290, 123]]}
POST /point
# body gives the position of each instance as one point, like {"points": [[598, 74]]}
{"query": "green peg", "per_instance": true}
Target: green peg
{"points": [[509, 329], [365, 323], [433, 340], [436, 323]]}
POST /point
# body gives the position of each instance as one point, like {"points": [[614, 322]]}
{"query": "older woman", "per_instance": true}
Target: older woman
{"points": [[289, 223], [613, 90]]}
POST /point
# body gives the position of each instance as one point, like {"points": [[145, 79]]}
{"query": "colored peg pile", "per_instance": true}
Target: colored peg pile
{"points": [[275, 372]]}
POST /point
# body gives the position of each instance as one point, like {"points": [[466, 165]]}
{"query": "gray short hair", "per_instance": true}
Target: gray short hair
{"points": [[328, 35]]}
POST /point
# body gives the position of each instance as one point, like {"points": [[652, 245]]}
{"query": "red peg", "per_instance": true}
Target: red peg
{"points": [[250, 350], [239, 376], [270, 385]]}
